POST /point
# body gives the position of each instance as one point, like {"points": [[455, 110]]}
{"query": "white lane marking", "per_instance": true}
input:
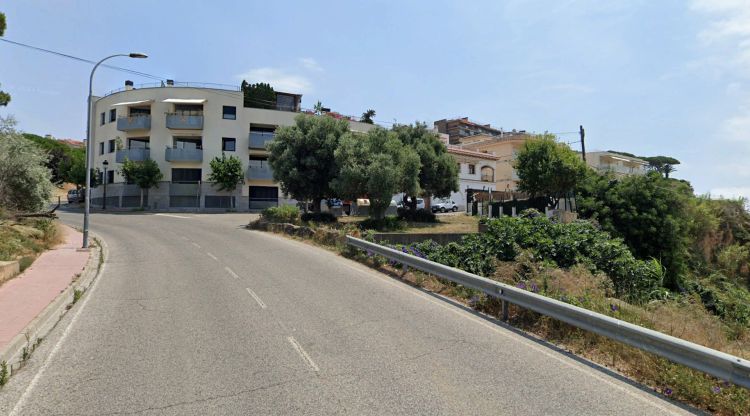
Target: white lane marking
{"points": [[303, 354], [172, 215], [196, 244], [212, 256], [231, 272], [256, 297], [185, 238], [90, 293]]}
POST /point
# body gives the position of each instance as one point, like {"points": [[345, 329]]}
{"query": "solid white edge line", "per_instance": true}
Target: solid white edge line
{"points": [[212, 256], [172, 215], [256, 297], [196, 244], [301, 351], [22, 400], [231, 272]]}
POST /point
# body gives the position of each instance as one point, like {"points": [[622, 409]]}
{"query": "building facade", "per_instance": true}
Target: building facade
{"points": [[459, 128], [504, 149], [182, 129], [620, 165], [476, 171]]}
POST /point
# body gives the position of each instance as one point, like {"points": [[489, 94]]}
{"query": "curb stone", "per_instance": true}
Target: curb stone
{"points": [[43, 324]]}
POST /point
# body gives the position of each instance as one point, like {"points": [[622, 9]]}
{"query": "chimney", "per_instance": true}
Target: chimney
{"points": [[128, 85], [170, 83]]}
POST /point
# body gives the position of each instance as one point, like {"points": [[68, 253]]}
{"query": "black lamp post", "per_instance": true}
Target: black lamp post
{"points": [[104, 200]]}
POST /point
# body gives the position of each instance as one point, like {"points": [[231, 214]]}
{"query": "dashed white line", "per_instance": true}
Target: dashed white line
{"points": [[301, 351], [256, 297], [231, 272], [196, 244], [212, 256], [172, 215]]}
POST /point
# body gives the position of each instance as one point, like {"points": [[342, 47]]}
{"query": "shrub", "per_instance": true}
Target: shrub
{"points": [[318, 217], [420, 215], [387, 223], [284, 214]]}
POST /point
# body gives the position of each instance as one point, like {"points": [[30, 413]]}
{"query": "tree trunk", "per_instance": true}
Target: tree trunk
{"points": [[316, 204], [141, 198], [412, 203]]}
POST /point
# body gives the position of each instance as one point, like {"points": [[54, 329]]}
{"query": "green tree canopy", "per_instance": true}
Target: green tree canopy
{"points": [[145, 174], [24, 178], [302, 157], [73, 169], [662, 164], [548, 168], [367, 116], [226, 172], [59, 155], [376, 165], [438, 173], [260, 95], [647, 211]]}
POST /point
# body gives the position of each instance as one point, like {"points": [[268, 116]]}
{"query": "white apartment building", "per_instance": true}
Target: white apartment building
{"points": [[183, 128], [476, 171], [616, 163]]}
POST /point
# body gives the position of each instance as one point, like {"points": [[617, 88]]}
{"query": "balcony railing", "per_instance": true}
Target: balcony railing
{"points": [[259, 139], [259, 172], [175, 154], [135, 122], [135, 154], [192, 120]]}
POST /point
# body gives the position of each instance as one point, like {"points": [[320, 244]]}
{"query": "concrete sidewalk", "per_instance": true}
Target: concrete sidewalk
{"points": [[27, 295]]}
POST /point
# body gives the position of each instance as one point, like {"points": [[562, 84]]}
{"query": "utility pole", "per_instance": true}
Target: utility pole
{"points": [[582, 132]]}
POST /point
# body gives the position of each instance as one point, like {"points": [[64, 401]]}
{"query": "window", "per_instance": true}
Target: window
{"points": [[228, 144], [101, 119], [472, 169], [188, 143], [112, 115], [110, 176], [230, 112], [258, 161], [138, 143], [101, 147], [111, 146], [181, 175], [285, 102]]}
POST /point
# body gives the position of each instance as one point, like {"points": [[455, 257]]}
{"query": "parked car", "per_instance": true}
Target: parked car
{"points": [[444, 205], [74, 196], [420, 203]]}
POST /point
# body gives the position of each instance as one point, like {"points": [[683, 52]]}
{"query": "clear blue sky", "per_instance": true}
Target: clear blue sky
{"points": [[648, 77]]}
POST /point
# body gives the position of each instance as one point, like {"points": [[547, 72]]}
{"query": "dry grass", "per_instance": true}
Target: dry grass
{"points": [[447, 224]]}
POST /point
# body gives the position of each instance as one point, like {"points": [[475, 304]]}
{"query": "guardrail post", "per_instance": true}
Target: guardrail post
{"points": [[505, 311]]}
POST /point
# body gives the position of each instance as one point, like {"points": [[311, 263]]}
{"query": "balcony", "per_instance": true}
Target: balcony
{"points": [[259, 172], [259, 139], [136, 155], [174, 154], [185, 121], [134, 123]]}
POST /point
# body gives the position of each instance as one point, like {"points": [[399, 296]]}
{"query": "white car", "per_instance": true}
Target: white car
{"points": [[444, 205]]}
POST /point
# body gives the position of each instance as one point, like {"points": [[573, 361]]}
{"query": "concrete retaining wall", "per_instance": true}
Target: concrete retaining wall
{"points": [[8, 270]]}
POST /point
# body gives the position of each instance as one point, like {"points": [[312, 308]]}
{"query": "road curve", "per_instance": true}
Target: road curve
{"points": [[195, 315]]}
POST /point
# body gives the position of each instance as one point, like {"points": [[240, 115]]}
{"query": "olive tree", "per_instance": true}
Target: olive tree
{"points": [[226, 172], [145, 174], [24, 178], [375, 165], [302, 157]]}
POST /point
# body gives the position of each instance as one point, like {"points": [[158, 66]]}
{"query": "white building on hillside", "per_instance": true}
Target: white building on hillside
{"points": [[182, 128], [616, 163]]}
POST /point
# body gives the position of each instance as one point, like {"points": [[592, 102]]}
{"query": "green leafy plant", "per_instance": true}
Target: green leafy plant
{"points": [[226, 172], [260, 95], [25, 180], [145, 174], [326, 217], [283, 214]]}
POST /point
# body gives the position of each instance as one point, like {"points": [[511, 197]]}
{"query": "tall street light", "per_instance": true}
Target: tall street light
{"points": [[89, 144]]}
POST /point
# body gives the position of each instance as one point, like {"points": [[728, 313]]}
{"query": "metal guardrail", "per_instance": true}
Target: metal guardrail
{"points": [[716, 363]]}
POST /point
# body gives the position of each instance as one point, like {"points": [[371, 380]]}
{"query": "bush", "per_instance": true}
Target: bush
{"points": [[318, 217], [420, 215], [284, 214], [388, 223]]}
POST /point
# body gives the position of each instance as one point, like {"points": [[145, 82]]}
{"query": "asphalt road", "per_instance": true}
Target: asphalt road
{"points": [[194, 315]]}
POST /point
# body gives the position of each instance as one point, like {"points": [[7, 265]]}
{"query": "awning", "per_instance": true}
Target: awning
{"points": [[185, 100], [133, 102]]}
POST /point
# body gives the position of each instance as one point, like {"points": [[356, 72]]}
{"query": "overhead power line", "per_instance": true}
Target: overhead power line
{"points": [[76, 58]]}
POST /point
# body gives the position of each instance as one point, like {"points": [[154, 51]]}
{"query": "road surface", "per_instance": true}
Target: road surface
{"points": [[194, 315]]}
